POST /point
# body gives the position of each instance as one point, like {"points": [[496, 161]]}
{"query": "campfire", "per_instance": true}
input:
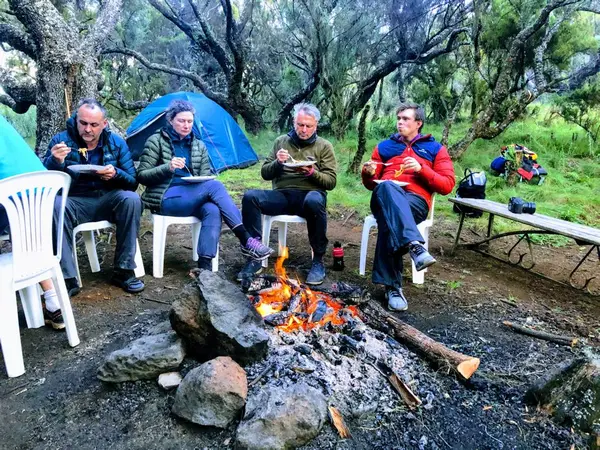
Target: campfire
{"points": [[289, 305]]}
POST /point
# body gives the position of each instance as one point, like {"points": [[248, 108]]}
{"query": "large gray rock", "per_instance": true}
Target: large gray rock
{"points": [[144, 358], [216, 319], [282, 418], [212, 394]]}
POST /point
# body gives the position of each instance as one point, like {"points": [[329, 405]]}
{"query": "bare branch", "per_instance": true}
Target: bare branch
{"points": [[18, 39], [44, 23], [106, 20], [169, 15], [21, 90], [193, 77]]}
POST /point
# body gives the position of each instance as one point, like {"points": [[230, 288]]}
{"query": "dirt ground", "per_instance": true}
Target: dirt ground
{"points": [[59, 402]]}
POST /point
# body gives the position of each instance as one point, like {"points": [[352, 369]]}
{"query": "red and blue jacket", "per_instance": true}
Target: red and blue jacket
{"points": [[436, 174]]}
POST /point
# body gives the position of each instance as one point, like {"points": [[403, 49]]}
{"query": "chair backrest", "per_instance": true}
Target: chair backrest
{"points": [[29, 202], [431, 210]]}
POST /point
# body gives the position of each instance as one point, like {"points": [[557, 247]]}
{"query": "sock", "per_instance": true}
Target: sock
{"points": [[317, 258], [51, 300], [204, 263], [241, 233]]}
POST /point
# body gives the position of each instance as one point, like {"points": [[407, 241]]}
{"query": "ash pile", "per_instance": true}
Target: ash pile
{"points": [[312, 362]]}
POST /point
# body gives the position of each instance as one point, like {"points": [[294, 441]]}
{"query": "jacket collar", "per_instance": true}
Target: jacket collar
{"points": [[396, 137], [302, 142]]}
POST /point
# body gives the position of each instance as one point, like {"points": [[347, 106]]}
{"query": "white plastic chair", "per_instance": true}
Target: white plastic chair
{"points": [[423, 227], [159, 241], [88, 230], [283, 220], [29, 203]]}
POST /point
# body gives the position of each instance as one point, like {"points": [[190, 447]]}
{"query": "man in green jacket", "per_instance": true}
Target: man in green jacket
{"points": [[302, 167]]}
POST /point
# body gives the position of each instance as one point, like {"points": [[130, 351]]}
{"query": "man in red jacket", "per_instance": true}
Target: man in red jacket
{"points": [[403, 173]]}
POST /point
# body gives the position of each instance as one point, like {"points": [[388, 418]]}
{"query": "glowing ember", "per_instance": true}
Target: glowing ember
{"points": [[290, 306]]}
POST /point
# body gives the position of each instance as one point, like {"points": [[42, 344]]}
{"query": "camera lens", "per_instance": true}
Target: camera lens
{"points": [[529, 207]]}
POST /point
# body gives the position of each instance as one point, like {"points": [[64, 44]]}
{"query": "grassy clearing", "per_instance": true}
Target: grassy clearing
{"points": [[571, 190]]}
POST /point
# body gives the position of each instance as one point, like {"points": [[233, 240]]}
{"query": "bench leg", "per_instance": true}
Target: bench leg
{"points": [[460, 225], [490, 225]]}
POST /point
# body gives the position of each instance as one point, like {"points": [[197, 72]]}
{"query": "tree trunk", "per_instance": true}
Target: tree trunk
{"points": [[571, 393], [362, 142], [462, 365], [53, 81], [50, 101], [450, 121], [377, 110]]}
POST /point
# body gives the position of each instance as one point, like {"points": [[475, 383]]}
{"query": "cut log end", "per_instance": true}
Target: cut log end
{"points": [[467, 368]]}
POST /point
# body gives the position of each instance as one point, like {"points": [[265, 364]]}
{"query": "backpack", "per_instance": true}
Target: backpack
{"points": [[471, 186]]}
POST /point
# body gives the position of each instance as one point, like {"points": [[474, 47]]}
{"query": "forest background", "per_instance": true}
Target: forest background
{"points": [[489, 73]]}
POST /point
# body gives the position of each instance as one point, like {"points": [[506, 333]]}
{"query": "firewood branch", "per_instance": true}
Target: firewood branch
{"points": [[462, 365], [557, 339]]}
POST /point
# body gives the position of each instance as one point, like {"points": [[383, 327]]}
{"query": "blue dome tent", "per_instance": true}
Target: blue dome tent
{"points": [[228, 147]]}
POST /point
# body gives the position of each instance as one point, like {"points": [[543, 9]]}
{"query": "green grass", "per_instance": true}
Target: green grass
{"points": [[571, 190]]}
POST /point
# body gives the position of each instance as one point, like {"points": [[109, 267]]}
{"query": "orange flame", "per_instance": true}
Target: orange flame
{"points": [[277, 299]]}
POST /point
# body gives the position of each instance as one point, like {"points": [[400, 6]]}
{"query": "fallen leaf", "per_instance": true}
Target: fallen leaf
{"points": [[487, 407]]}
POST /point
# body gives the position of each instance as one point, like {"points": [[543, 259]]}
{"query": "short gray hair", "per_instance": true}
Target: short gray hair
{"points": [[179, 106], [92, 103], [418, 109], [307, 108]]}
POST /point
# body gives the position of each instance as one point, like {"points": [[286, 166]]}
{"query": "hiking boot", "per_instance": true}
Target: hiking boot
{"points": [[316, 274], [396, 299], [72, 286], [420, 256], [54, 319], [251, 268], [127, 281], [256, 250]]}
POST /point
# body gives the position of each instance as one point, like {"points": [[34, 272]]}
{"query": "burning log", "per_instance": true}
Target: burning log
{"points": [[277, 319], [319, 312], [348, 292], [295, 302], [463, 365]]}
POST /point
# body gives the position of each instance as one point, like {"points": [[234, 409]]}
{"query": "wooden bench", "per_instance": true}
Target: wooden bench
{"points": [[541, 224]]}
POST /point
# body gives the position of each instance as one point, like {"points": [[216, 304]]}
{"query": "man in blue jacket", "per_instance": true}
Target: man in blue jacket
{"points": [[103, 188]]}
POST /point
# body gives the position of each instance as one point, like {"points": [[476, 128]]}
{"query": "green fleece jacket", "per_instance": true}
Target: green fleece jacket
{"points": [[154, 173], [324, 176]]}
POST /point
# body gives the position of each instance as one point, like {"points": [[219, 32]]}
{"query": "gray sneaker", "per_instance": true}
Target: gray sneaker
{"points": [[251, 268], [316, 275], [256, 250], [396, 299], [420, 256]]}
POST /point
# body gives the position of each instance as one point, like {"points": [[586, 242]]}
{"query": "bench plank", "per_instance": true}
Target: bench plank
{"points": [[573, 230]]}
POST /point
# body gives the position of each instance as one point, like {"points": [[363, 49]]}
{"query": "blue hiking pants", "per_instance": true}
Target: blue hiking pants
{"points": [[397, 213], [210, 202]]}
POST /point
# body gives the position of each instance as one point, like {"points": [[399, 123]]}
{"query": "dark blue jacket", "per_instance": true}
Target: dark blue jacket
{"points": [[114, 151]]}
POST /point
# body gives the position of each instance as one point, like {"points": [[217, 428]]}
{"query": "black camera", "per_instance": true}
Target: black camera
{"points": [[517, 205]]}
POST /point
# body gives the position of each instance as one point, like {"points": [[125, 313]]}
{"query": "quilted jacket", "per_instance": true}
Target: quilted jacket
{"points": [[154, 173], [436, 174]]}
